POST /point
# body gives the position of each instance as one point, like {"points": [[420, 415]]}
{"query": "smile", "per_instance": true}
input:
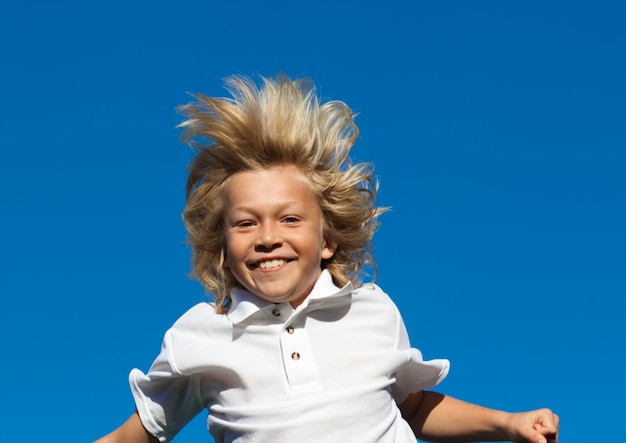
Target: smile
{"points": [[270, 264]]}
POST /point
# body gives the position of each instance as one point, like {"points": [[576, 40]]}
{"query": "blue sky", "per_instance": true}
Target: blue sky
{"points": [[497, 129]]}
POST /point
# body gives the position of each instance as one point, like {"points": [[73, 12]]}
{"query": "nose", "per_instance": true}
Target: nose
{"points": [[269, 237]]}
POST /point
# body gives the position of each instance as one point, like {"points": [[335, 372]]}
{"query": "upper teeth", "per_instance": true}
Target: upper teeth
{"points": [[271, 264]]}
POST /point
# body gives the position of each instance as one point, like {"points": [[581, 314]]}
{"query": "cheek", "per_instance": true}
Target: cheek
{"points": [[230, 260], [234, 251], [227, 252]]}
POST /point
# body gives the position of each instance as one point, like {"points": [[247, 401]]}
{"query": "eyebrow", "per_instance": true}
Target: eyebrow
{"points": [[281, 206], [295, 204]]}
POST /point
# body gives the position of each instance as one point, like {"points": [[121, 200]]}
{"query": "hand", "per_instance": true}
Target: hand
{"points": [[540, 426]]}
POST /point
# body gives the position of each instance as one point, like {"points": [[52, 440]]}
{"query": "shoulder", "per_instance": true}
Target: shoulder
{"points": [[374, 299], [196, 338], [203, 309], [373, 292], [200, 320]]}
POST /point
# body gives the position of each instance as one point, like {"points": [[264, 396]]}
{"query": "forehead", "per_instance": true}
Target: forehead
{"points": [[278, 185]]}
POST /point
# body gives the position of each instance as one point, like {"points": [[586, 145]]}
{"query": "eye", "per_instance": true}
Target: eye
{"points": [[291, 219], [244, 224]]}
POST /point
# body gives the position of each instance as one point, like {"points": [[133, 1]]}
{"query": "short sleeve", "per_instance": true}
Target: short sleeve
{"points": [[415, 374], [166, 400]]}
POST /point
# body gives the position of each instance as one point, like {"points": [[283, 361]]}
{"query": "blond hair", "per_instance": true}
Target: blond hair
{"points": [[279, 123]]}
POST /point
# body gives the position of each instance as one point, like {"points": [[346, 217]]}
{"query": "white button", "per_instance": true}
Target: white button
{"points": [[276, 312], [295, 356], [290, 330]]}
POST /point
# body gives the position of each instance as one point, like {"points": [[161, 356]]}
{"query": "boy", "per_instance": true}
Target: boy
{"points": [[280, 223]]}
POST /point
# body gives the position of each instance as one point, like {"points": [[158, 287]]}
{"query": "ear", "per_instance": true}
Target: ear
{"points": [[328, 250]]}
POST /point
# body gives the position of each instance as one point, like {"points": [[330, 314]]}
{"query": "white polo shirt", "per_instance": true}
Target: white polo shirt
{"points": [[331, 370]]}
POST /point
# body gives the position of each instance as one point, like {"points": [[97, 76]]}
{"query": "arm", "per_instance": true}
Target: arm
{"points": [[437, 417], [132, 431]]}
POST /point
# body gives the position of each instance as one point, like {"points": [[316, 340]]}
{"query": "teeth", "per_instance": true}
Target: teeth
{"points": [[271, 264]]}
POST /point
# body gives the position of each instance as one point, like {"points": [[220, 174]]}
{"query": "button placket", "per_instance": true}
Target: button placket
{"points": [[279, 312], [298, 359], [290, 330]]}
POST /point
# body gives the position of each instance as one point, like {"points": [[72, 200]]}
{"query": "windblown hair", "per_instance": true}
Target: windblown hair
{"points": [[280, 122]]}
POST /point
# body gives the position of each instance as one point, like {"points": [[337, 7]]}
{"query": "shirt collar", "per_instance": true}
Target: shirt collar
{"points": [[324, 294]]}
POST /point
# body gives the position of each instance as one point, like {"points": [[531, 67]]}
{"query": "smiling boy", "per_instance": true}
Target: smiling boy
{"points": [[293, 349]]}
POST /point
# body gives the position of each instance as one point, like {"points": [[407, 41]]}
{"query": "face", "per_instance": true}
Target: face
{"points": [[273, 231]]}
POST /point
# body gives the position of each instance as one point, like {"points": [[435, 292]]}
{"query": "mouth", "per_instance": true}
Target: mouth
{"points": [[271, 264]]}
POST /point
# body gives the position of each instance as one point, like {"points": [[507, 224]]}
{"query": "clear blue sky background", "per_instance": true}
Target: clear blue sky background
{"points": [[498, 131]]}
